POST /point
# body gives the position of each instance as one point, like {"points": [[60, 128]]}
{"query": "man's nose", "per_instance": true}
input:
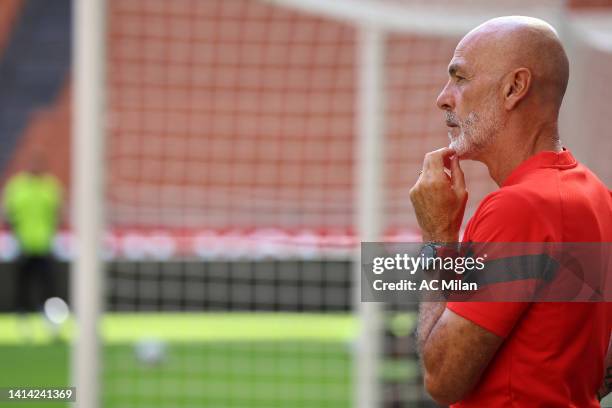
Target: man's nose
{"points": [[445, 100]]}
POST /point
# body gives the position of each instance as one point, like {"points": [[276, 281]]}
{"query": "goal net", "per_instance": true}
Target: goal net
{"points": [[231, 195]]}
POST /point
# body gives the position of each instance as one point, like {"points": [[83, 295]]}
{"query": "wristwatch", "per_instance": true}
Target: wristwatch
{"points": [[432, 250]]}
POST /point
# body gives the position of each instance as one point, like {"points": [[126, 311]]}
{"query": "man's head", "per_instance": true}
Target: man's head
{"points": [[507, 68], [37, 163]]}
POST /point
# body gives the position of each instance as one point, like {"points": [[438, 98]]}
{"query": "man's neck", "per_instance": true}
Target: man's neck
{"points": [[511, 148]]}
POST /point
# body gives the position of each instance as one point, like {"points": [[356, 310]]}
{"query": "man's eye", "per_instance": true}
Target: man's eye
{"points": [[459, 78]]}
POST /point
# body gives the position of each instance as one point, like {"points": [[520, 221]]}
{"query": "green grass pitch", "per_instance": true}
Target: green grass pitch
{"points": [[211, 360]]}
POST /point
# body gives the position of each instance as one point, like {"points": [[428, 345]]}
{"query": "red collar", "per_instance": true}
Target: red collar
{"points": [[547, 159]]}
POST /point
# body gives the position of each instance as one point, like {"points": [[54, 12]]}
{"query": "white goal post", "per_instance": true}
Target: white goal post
{"points": [[88, 139]]}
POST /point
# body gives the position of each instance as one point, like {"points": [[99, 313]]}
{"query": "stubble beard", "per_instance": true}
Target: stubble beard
{"points": [[477, 131]]}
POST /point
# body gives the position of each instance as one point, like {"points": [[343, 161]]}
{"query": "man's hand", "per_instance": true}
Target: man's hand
{"points": [[439, 200]]}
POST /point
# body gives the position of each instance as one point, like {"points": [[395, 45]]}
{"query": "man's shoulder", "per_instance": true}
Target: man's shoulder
{"points": [[16, 180], [514, 214], [19, 176], [51, 180], [508, 200]]}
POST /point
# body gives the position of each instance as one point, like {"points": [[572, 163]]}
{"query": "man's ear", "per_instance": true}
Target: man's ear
{"points": [[516, 87]]}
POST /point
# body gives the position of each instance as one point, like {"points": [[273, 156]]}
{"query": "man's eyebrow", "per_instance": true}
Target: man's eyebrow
{"points": [[453, 68]]}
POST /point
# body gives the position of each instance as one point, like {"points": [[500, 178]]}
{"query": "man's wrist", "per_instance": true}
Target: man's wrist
{"points": [[440, 238], [433, 250]]}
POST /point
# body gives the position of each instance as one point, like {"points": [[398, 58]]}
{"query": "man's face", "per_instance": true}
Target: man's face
{"points": [[470, 101]]}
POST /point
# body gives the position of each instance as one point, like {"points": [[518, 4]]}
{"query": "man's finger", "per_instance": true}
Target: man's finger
{"points": [[435, 160], [457, 176], [447, 162]]}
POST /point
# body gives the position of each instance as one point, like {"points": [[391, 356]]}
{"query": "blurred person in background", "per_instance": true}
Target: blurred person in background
{"points": [[32, 205]]}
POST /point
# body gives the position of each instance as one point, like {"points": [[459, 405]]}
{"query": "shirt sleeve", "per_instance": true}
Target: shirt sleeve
{"points": [[502, 217], [499, 318]]}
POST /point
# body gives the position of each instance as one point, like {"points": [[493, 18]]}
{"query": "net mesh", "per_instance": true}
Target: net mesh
{"points": [[232, 127], [240, 115], [229, 114], [230, 201]]}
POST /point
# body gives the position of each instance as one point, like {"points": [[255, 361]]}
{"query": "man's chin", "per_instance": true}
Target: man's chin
{"points": [[460, 151]]}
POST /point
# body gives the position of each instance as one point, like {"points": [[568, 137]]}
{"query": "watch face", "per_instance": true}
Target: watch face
{"points": [[428, 252]]}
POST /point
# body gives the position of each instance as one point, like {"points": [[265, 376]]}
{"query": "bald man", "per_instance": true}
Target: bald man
{"points": [[506, 83]]}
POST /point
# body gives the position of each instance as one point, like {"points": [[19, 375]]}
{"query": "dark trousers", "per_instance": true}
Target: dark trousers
{"points": [[33, 271]]}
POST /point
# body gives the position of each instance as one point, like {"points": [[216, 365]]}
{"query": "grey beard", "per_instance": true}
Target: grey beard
{"points": [[477, 132]]}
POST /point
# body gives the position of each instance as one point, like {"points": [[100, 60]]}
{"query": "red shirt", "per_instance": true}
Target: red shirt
{"points": [[553, 353]]}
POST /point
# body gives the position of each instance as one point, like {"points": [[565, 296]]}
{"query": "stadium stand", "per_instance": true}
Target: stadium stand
{"points": [[33, 69]]}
